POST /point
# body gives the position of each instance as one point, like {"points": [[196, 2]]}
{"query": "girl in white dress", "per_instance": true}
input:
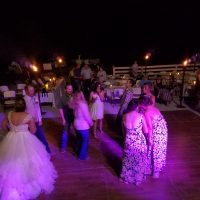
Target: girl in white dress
{"points": [[97, 108], [25, 166]]}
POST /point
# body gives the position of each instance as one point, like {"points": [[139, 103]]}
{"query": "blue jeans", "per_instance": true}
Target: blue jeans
{"points": [[40, 135], [82, 144], [65, 133]]}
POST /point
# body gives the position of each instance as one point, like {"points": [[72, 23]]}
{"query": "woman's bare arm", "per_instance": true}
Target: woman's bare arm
{"points": [[62, 116], [149, 126], [86, 114], [32, 126], [102, 95], [91, 97], [153, 98], [4, 123]]}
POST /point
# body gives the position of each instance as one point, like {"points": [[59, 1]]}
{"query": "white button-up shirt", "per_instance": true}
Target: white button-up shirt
{"points": [[33, 107], [86, 73]]}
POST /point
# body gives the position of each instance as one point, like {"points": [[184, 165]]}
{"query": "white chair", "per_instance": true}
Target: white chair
{"points": [[20, 89], [109, 94], [117, 93], [107, 83], [4, 88], [21, 86], [46, 78], [9, 99]]}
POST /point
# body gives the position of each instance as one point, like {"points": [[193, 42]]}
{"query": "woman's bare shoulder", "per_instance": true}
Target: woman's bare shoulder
{"points": [[153, 111]]}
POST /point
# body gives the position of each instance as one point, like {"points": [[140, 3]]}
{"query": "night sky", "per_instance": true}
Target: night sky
{"points": [[117, 32]]}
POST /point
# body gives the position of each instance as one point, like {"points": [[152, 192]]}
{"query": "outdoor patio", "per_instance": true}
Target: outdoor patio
{"points": [[98, 178]]}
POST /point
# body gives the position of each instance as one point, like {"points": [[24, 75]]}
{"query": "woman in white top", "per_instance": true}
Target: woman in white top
{"points": [[82, 124]]}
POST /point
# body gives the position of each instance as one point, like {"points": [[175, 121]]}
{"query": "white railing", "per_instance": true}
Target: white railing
{"points": [[155, 69]]}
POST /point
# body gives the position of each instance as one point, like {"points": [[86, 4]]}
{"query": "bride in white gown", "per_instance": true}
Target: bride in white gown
{"points": [[25, 166]]}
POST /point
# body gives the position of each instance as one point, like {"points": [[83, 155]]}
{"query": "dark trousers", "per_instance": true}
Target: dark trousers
{"points": [[41, 136], [76, 85], [86, 88], [119, 125], [82, 144]]}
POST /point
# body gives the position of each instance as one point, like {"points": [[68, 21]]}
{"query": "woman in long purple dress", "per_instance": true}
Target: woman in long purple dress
{"points": [[135, 148]]}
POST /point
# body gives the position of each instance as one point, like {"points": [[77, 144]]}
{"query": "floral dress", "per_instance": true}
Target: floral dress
{"points": [[157, 155], [135, 155]]}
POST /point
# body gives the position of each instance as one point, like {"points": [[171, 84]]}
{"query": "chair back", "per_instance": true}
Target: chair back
{"points": [[4, 88], [109, 93], [21, 86], [118, 92], [46, 78], [9, 94], [9, 99]]}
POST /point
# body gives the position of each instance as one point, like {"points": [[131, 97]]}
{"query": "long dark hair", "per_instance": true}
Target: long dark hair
{"points": [[20, 105], [145, 100], [96, 86]]}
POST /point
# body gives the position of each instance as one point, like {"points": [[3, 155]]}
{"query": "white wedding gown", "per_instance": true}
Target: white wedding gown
{"points": [[25, 166]]}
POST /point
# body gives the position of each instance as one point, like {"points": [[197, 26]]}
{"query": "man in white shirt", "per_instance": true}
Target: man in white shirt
{"points": [[33, 108], [86, 74], [101, 75]]}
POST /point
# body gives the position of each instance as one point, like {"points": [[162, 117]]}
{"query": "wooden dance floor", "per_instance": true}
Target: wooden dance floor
{"points": [[97, 178]]}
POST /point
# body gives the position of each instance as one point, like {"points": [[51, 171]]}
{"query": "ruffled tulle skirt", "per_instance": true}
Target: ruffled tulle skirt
{"points": [[25, 167]]}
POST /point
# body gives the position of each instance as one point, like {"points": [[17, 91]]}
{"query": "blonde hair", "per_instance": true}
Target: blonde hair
{"points": [[76, 99]]}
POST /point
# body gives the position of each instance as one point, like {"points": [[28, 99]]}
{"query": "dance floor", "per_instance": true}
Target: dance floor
{"points": [[97, 178]]}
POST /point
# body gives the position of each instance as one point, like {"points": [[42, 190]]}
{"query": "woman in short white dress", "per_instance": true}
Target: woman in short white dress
{"points": [[97, 107]]}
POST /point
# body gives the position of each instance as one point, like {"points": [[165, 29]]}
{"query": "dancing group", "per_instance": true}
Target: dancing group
{"points": [[75, 109], [145, 133], [25, 166]]}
